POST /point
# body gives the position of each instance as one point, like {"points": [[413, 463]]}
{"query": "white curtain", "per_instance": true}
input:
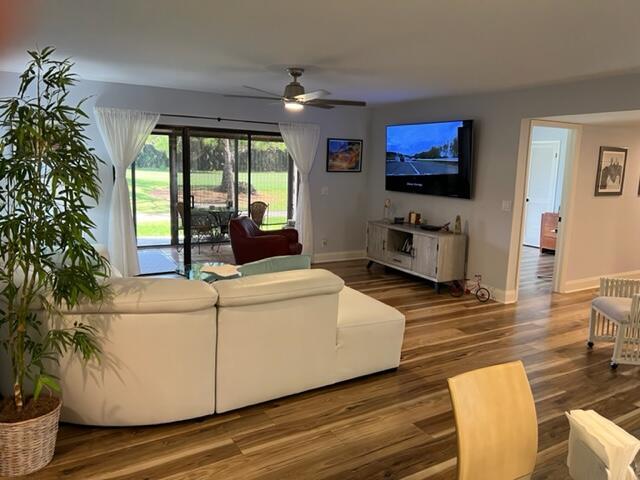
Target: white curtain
{"points": [[124, 133], [301, 140]]}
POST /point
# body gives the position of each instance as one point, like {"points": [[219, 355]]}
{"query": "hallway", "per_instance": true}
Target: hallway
{"points": [[536, 271]]}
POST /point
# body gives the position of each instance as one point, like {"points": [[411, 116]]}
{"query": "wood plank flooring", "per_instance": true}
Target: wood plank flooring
{"points": [[536, 271], [395, 425]]}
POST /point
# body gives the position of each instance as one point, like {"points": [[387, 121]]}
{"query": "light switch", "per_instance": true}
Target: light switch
{"points": [[506, 205], [324, 191]]}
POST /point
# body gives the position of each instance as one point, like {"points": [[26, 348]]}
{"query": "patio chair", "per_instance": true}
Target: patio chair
{"points": [[201, 224], [615, 317], [257, 211]]}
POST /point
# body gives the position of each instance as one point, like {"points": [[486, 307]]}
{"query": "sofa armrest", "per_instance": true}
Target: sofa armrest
{"points": [[291, 234], [153, 295], [273, 287]]}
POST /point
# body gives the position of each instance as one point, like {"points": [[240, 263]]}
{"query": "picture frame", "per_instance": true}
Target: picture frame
{"points": [[612, 164], [344, 155]]}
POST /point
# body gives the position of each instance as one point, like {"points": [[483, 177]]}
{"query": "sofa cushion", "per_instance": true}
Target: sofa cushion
{"points": [[616, 308], [153, 295], [369, 337], [273, 287], [281, 263]]}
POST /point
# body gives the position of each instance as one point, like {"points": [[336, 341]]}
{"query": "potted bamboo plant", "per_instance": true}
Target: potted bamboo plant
{"points": [[48, 182]]}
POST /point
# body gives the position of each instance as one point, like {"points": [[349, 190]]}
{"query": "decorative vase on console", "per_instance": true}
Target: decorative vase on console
{"points": [[387, 207], [457, 226]]}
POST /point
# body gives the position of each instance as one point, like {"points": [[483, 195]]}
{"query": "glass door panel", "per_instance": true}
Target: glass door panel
{"points": [[215, 193], [150, 180], [271, 182]]}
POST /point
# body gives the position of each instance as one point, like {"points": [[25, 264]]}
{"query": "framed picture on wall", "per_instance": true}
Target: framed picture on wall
{"points": [[344, 155], [611, 167]]}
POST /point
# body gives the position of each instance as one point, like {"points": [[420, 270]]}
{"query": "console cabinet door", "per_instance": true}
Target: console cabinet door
{"points": [[376, 239], [425, 255]]}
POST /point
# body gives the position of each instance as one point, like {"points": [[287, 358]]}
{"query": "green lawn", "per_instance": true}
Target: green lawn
{"points": [[153, 204]]}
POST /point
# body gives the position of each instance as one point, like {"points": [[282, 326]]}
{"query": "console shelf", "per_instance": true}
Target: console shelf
{"points": [[436, 256]]}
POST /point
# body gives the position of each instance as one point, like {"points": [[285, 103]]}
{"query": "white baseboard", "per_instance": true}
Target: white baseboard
{"points": [[338, 256], [500, 295], [594, 282]]}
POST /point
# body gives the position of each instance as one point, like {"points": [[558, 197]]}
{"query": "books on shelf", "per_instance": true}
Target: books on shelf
{"points": [[221, 270]]}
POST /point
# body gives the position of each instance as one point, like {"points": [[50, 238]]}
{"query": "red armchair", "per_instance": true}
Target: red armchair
{"points": [[249, 243]]}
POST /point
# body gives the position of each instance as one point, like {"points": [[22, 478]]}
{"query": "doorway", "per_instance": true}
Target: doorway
{"points": [[183, 198], [548, 151]]}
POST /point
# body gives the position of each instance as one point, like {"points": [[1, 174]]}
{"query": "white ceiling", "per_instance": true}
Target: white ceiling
{"points": [[373, 50]]}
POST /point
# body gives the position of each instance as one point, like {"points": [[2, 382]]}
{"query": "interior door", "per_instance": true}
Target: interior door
{"points": [[541, 187]]}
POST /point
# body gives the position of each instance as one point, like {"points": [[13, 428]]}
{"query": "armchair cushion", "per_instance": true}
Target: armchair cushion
{"points": [[616, 308]]}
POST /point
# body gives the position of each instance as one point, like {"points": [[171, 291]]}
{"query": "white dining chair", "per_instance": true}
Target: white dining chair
{"points": [[598, 449], [615, 317]]}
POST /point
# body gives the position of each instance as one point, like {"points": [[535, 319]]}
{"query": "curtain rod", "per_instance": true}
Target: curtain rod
{"points": [[219, 119]]}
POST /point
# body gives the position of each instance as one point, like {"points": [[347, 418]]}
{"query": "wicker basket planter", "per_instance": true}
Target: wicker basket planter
{"points": [[28, 446]]}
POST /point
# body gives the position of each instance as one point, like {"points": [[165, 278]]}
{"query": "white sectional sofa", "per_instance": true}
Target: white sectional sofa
{"points": [[158, 361], [175, 349]]}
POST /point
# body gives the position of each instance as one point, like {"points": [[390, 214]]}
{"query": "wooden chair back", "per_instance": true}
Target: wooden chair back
{"points": [[496, 423], [180, 210], [257, 211]]}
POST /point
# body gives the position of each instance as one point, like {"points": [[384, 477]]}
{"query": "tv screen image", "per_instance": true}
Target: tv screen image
{"points": [[430, 158], [423, 149]]}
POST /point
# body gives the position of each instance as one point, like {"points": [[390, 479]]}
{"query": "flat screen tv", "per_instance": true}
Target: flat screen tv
{"points": [[430, 158]]}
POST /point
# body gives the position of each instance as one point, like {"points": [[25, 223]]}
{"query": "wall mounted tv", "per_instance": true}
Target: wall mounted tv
{"points": [[430, 158]]}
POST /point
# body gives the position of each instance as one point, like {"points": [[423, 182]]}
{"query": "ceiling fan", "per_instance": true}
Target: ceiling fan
{"points": [[295, 98]]}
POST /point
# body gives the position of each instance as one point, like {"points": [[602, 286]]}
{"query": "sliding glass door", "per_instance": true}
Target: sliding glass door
{"points": [[149, 187], [183, 200], [271, 181]]}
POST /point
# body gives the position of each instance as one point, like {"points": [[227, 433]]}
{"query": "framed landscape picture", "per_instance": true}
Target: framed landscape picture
{"points": [[344, 155], [611, 167]]}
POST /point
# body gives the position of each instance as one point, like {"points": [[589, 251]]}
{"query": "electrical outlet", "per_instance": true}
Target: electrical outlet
{"points": [[324, 191], [506, 205], [325, 242]]}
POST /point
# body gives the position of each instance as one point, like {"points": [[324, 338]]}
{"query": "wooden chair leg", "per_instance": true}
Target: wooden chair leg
{"points": [[618, 346], [592, 327]]}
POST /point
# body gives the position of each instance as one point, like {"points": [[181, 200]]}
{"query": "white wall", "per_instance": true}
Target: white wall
{"points": [[497, 122], [338, 216], [605, 233]]}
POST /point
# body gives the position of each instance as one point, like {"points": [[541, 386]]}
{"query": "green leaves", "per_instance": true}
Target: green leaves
{"points": [[44, 380], [48, 182]]}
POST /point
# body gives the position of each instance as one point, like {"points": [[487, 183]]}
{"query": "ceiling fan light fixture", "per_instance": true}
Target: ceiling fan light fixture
{"points": [[293, 106]]}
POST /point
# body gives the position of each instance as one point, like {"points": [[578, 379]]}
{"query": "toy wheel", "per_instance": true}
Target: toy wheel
{"points": [[483, 294], [613, 365], [456, 289], [589, 345]]}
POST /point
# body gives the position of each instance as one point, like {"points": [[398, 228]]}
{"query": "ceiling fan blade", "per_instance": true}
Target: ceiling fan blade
{"points": [[252, 96], [318, 105], [277, 95], [331, 101], [306, 97]]}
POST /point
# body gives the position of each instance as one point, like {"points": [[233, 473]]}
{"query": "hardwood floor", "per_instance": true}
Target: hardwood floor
{"points": [[395, 425], [536, 271]]}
